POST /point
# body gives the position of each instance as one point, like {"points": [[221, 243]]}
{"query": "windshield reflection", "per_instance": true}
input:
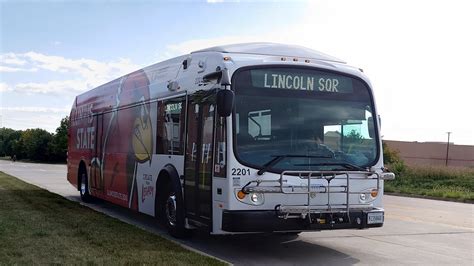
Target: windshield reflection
{"points": [[309, 131]]}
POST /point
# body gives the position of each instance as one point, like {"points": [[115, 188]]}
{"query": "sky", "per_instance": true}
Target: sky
{"points": [[417, 54]]}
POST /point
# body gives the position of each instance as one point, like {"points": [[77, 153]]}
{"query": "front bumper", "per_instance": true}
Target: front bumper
{"points": [[269, 221]]}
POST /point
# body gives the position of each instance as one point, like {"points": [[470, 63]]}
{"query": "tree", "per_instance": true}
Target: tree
{"points": [[353, 137], [58, 145], [17, 149], [35, 143], [7, 138]]}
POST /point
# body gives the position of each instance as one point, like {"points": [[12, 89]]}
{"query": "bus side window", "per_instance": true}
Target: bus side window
{"points": [[170, 126]]}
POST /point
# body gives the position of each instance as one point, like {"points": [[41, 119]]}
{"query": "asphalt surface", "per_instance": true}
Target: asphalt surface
{"points": [[416, 231]]}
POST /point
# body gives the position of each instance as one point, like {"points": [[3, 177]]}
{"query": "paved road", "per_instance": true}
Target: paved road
{"points": [[416, 231]]}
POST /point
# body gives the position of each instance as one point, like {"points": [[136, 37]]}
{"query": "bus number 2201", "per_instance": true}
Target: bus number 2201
{"points": [[240, 171]]}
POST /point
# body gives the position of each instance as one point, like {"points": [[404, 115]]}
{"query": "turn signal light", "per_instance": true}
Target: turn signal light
{"points": [[374, 193], [241, 194]]}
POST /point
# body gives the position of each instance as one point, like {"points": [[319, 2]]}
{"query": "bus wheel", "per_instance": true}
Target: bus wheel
{"points": [[173, 213], [84, 187]]}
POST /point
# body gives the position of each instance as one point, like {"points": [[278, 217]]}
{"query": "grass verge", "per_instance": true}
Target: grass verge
{"points": [[434, 182], [39, 227]]}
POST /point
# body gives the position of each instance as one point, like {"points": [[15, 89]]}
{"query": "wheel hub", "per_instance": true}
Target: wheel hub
{"points": [[171, 210], [83, 184]]}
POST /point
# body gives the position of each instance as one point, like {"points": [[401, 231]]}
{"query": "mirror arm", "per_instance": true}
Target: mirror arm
{"points": [[225, 78], [222, 77], [211, 76]]}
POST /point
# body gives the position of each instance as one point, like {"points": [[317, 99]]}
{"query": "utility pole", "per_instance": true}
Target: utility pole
{"points": [[447, 149]]}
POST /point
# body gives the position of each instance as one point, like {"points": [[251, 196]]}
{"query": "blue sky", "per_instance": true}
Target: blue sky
{"points": [[131, 29], [416, 53]]}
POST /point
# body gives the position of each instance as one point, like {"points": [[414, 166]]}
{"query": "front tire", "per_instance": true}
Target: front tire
{"points": [[173, 212], [84, 187]]}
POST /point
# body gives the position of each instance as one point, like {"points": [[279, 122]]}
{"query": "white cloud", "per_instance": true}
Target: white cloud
{"points": [[4, 87], [87, 73], [11, 59], [34, 109], [52, 87], [16, 69], [80, 75]]}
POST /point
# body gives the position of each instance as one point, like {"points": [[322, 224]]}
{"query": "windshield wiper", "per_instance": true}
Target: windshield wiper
{"points": [[344, 164], [278, 158], [352, 166]]}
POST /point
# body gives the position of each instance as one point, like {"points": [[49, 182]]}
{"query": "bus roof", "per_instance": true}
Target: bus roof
{"points": [[266, 48], [204, 61]]}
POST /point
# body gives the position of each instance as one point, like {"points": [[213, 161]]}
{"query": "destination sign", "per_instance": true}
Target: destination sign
{"points": [[291, 79], [174, 108]]}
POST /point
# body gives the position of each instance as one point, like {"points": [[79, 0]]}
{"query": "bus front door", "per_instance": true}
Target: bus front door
{"points": [[199, 161], [96, 182]]}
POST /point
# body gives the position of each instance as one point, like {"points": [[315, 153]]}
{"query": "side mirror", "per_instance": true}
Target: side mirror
{"points": [[225, 102], [371, 128]]}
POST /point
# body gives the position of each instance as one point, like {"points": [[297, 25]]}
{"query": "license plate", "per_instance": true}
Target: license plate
{"points": [[375, 218]]}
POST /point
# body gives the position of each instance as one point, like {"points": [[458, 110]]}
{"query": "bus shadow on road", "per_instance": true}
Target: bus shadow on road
{"points": [[268, 249], [238, 249]]}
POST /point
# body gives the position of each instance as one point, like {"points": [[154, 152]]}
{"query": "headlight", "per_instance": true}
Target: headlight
{"points": [[250, 198], [256, 198], [369, 196]]}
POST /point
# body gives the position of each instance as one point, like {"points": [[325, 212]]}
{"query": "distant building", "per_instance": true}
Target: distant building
{"points": [[433, 153], [333, 140]]}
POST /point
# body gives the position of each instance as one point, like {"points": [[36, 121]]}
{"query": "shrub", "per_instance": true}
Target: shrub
{"points": [[440, 182], [393, 161]]}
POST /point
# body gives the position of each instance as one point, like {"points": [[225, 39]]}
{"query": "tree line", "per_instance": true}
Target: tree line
{"points": [[35, 144]]}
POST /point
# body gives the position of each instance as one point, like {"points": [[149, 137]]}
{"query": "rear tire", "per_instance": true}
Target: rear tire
{"points": [[84, 187], [172, 211]]}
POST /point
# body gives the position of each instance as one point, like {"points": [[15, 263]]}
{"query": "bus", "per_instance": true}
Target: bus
{"points": [[243, 138]]}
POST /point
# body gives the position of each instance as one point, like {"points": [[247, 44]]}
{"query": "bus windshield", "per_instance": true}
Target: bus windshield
{"points": [[303, 119]]}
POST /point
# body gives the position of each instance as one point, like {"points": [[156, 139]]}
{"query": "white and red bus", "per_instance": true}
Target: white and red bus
{"points": [[244, 138]]}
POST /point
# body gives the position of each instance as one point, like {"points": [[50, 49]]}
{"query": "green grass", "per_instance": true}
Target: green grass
{"points": [[437, 182], [39, 227]]}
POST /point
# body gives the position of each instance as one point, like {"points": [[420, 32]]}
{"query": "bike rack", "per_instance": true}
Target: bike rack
{"points": [[303, 211]]}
